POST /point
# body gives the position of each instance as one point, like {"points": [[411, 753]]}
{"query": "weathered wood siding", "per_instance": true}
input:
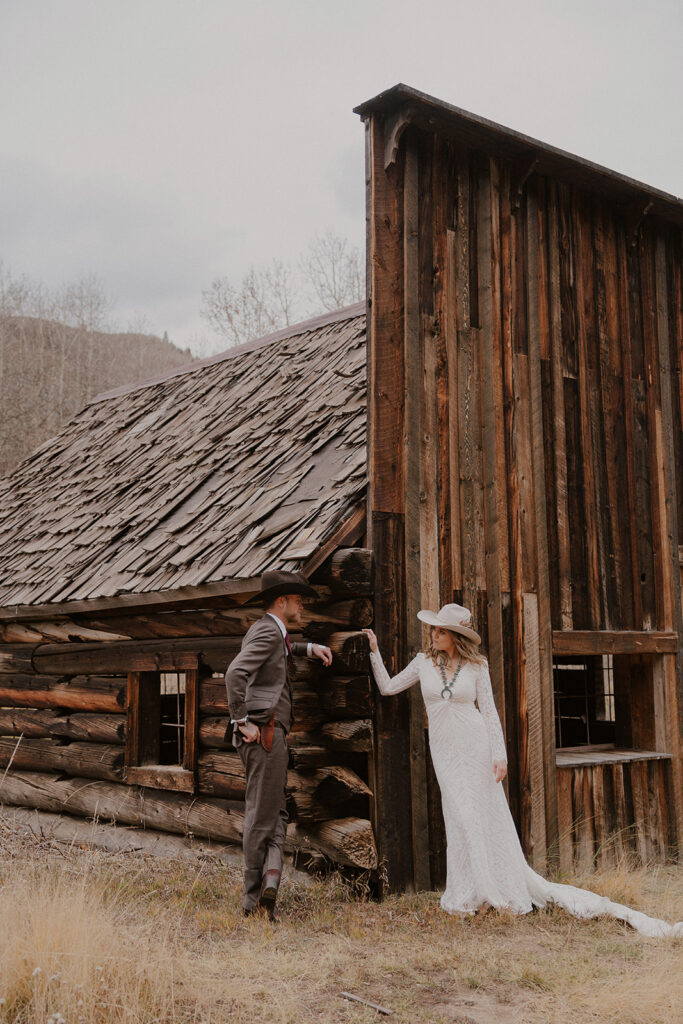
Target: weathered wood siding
{"points": [[525, 439], [66, 714]]}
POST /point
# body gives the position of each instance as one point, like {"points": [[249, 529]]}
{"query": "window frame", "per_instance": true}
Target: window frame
{"points": [[139, 708]]}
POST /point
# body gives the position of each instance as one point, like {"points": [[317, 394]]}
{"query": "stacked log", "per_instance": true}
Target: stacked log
{"points": [[63, 721]]}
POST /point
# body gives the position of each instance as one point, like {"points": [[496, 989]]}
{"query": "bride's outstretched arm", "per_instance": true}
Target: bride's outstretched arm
{"points": [[487, 707], [386, 684]]}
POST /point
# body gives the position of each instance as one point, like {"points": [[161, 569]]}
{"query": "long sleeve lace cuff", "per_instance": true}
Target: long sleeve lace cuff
{"points": [[388, 685]]}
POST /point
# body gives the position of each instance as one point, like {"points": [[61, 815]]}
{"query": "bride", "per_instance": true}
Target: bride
{"points": [[485, 862]]}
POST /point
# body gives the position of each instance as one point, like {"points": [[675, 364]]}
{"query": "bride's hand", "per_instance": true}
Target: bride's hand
{"points": [[500, 770], [372, 640]]}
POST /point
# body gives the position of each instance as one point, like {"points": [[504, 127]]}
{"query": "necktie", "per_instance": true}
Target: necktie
{"points": [[290, 652]]}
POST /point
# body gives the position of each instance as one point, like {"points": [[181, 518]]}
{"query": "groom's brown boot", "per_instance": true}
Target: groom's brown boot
{"points": [[269, 890]]}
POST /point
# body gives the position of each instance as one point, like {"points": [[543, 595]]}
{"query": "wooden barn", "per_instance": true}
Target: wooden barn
{"points": [[525, 342], [500, 425]]}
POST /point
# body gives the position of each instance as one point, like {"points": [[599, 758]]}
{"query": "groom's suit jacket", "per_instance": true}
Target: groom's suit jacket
{"points": [[256, 678]]}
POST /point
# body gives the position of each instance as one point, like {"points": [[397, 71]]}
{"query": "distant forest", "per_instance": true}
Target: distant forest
{"points": [[49, 371]]}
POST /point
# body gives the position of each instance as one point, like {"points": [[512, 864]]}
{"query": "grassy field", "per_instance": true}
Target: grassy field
{"points": [[89, 937]]}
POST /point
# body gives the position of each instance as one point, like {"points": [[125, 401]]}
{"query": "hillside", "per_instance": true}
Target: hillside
{"points": [[48, 372]]}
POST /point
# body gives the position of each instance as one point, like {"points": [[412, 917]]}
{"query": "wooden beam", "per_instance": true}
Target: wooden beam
{"points": [[614, 642], [161, 776], [168, 598], [79, 694], [131, 655]]}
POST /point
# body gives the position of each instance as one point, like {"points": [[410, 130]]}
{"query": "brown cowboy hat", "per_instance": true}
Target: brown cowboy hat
{"points": [[276, 583]]}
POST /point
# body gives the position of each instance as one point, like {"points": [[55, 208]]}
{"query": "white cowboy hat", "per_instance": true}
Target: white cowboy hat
{"points": [[453, 617]]}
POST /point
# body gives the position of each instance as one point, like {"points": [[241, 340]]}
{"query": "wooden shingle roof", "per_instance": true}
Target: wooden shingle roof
{"points": [[240, 463]]}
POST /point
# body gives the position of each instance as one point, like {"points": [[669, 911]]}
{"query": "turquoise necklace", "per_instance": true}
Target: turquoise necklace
{"points": [[448, 684]]}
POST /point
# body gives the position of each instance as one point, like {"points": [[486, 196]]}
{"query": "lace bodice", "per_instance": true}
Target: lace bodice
{"points": [[472, 684]]}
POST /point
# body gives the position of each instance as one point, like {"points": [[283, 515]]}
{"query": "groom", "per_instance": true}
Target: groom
{"points": [[259, 688]]}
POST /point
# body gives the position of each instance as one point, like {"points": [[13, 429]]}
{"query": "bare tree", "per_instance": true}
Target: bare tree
{"points": [[263, 302], [334, 270], [84, 304], [20, 296], [329, 275]]}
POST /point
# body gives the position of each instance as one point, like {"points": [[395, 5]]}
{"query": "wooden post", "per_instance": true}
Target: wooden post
{"points": [[415, 551], [391, 777], [669, 526], [490, 335], [545, 749]]}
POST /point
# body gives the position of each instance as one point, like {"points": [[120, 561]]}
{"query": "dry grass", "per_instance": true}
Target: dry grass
{"points": [[95, 937]]}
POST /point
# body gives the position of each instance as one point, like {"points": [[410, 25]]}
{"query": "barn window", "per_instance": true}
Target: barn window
{"points": [[584, 700], [610, 700], [161, 739]]}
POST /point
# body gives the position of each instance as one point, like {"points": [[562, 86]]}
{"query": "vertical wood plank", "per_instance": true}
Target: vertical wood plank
{"points": [[617, 563], [487, 232], [662, 592], [628, 412], [133, 719], [391, 806], [495, 317], [535, 319], [559, 433], [657, 839], [385, 341], [599, 815], [417, 474], [438, 396], [536, 738], [565, 819], [451, 342], [669, 716], [518, 666], [642, 476], [621, 836], [191, 720], [638, 773], [581, 228], [467, 396], [583, 818]]}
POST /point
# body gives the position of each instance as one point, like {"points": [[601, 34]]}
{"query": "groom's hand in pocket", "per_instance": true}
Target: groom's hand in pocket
{"points": [[250, 732]]}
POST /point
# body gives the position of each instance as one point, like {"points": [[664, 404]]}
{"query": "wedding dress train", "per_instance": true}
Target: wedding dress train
{"points": [[485, 861]]}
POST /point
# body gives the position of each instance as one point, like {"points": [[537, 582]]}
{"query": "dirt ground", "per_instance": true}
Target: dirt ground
{"points": [[144, 939]]}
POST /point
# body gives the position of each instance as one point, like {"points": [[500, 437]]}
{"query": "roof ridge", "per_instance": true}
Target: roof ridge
{"points": [[322, 320], [406, 95]]}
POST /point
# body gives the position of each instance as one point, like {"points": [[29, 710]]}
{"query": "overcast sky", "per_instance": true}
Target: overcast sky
{"points": [[160, 143]]}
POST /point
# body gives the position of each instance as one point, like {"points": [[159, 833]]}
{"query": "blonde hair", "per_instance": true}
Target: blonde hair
{"points": [[467, 649]]}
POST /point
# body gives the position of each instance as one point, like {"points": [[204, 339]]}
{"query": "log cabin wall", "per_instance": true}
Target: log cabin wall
{"points": [[67, 719], [524, 362]]}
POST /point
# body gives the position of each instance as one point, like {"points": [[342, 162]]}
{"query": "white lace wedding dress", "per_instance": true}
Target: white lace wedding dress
{"points": [[485, 861]]}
